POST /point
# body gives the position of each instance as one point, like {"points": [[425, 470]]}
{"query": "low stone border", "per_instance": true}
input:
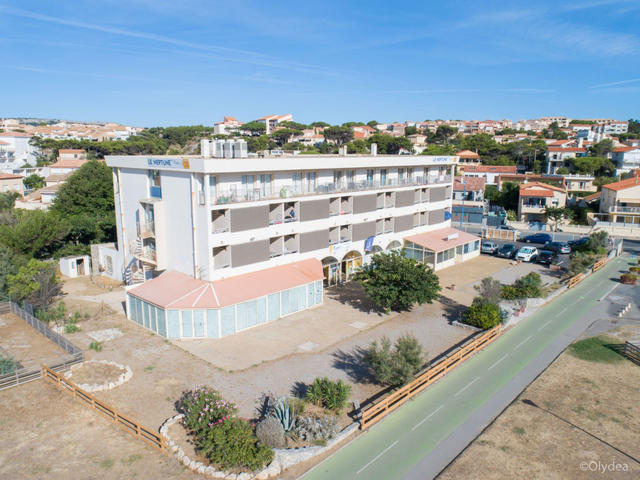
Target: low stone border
{"points": [[457, 323], [97, 387], [283, 458]]}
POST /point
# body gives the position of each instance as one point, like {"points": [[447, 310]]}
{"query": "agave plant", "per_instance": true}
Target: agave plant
{"points": [[285, 412]]}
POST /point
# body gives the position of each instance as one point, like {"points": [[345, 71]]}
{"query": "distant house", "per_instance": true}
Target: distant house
{"points": [[557, 156], [535, 197], [272, 121], [66, 165], [490, 173], [626, 159], [15, 151], [11, 183], [468, 190], [467, 157], [226, 126], [620, 201]]}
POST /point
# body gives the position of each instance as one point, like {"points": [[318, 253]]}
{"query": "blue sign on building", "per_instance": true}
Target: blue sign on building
{"points": [[368, 244]]}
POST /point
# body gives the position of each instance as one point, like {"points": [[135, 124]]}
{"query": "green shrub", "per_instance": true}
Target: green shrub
{"points": [[270, 432], [328, 394], [71, 328], [398, 366], [285, 412], [482, 316], [528, 286], [628, 278], [204, 408], [8, 365], [97, 346], [232, 444], [489, 291], [581, 261], [634, 269]]}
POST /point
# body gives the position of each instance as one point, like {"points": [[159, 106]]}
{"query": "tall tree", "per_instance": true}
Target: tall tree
{"points": [[255, 128], [444, 133], [557, 215], [339, 135], [36, 282]]}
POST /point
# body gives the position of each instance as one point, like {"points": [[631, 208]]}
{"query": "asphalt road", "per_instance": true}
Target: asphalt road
{"points": [[421, 438]]}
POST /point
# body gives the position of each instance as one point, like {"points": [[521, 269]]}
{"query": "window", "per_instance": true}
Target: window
{"points": [[311, 181], [173, 321], [337, 178], [212, 323], [162, 325], [402, 175], [274, 306], [296, 179], [383, 177], [154, 178], [265, 185], [446, 255], [351, 178], [187, 323], [228, 320], [476, 245], [198, 323], [370, 175], [247, 186], [213, 181]]}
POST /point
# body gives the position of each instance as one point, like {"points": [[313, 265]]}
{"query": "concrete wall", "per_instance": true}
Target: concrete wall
{"points": [[361, 231], [249, 218], [436, 216], [364, 203], [403, 223], [314, 210], [438, 194], [404, 198]]}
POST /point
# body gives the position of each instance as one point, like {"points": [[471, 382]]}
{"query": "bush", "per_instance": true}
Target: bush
{"points": [[223, 438], [8, 365], [232, 444], [71, 328], [284, 411], [581, 261], [316, 429], [482, 316], [270, 432], [328, 394], [489, 291], [528, 286], [628, 278], [97, 346], [398, 366], [634, 269]]}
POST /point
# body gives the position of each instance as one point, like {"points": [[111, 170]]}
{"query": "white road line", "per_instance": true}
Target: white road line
{"points": [[427, 417], [503, 357], [610, 290], [544, 325], [523, 342], [468, 385], [378, 456], [562, 311]]}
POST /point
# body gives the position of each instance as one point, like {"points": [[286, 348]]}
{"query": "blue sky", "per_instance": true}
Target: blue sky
{"points": [[180, 62]]}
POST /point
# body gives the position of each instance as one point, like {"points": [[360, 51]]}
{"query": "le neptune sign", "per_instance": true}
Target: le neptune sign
{"points": [[168, 162]]}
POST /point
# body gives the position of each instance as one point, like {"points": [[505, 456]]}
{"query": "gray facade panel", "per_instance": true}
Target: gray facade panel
{"points": [[438, 194], [403, 223], [246, 253], [361, 231], [448, 193], [404, 198], [314, 210], [249, 218], [364, 203], [436, 216], [311, 241]]}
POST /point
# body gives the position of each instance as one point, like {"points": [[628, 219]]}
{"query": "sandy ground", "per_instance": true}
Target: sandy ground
{"points": [[527, 442], [25, 344], [93, 372]]}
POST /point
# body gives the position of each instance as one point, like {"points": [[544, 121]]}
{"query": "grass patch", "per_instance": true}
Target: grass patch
{"points": [[519, 430], [595, 349], [97, 346], [106, 464], [149, 368], [131, 459]]}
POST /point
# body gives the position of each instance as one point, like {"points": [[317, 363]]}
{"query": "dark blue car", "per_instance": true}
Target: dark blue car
{"points": [[542, 238]]}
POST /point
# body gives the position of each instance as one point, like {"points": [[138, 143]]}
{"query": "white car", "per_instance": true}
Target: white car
{"points": [[527, 254]]}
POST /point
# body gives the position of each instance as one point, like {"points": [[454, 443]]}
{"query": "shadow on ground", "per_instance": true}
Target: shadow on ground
{"points": [[352, 294], [452, 310], [352, 363]]}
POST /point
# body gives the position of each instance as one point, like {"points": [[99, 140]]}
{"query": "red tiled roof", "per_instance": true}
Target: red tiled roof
{"points": [[568, 149], [623, 184], [9, 176], [436, 241], [173, 290], [625, 149], [473, 184], [14, 134], [70, 150], [68, 163], [467, 154], [538, 189], [592, 197], [490, 169]]}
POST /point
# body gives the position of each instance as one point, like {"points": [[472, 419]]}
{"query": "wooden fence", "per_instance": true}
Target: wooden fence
{"points": [[599, 264], [576, 279], [128, 425], [632, 352], [379, 410], [499, 234]]}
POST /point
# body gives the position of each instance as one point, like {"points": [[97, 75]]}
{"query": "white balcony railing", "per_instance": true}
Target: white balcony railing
{"points": [[619, 209]]}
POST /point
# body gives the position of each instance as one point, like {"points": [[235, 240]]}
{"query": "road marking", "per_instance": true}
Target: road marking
{"points": [[610, 290], [503, 357], [427, 417], [561, 311], [378, 456], [468, 385], [544, 325], [523, 342]]}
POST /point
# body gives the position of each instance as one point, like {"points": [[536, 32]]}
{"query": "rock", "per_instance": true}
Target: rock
{"points": [[263, 475], [274, 468], [201, 468], [243, 476], [209, 471], [194, 465], [186, 460], [218, 474]]}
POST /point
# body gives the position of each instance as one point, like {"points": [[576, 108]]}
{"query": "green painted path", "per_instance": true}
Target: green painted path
{"points": [[394, 446]]}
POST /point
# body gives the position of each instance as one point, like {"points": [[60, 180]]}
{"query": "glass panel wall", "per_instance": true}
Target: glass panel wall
{"points": [[228, 320], [198, 323], [187, 323], [274, 306], [212, 323], [173, 321]]}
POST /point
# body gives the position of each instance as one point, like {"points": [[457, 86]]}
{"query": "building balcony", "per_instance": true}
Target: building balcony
{"points": [[532, 208], [619, 209], [289, 191], [146, 229]]}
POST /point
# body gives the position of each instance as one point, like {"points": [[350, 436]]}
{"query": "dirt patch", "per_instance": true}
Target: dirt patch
{"points": [[530, 442], [96, 372]]}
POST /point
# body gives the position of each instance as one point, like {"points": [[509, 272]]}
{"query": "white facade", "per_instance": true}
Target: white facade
{"points": [[76, 266], [626, 159], [214, 218], [15, 151]]}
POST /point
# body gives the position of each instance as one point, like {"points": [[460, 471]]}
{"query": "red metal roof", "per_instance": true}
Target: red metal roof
{"points": [[490, 169], [175, 290], [437, 240]]}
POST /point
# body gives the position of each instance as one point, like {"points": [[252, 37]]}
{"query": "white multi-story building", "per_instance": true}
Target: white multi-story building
{"points": [[16, 151], [234, 241], [626, 159]]}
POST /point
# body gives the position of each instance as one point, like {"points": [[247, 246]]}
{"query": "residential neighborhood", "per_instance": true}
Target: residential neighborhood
{"points": [[251, 241]]}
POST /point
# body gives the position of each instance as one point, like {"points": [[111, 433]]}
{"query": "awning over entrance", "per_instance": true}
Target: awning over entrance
{"points": [[443, 239], [175, 290]]}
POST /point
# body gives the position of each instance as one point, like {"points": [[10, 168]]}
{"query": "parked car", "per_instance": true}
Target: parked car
{"points": [[577, 243], [558, 247], [527, 254], [508, 250], [516, 233], [546, 257], [489, 247], [542, 238]]}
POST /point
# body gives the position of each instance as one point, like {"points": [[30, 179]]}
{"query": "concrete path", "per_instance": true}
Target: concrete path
{"points": [[425, 435]]}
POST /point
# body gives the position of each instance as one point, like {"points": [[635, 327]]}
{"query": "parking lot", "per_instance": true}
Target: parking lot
{"points": [[562, 259]]}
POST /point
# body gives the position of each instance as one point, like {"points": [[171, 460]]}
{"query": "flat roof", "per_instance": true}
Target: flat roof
{"points": [[442, 239], [176, 290], [191, 163]]}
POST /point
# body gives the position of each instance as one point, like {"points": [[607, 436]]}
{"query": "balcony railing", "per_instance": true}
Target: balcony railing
{"points": [[618, 209], [147, 254], [146, 229], [288, 191]]}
